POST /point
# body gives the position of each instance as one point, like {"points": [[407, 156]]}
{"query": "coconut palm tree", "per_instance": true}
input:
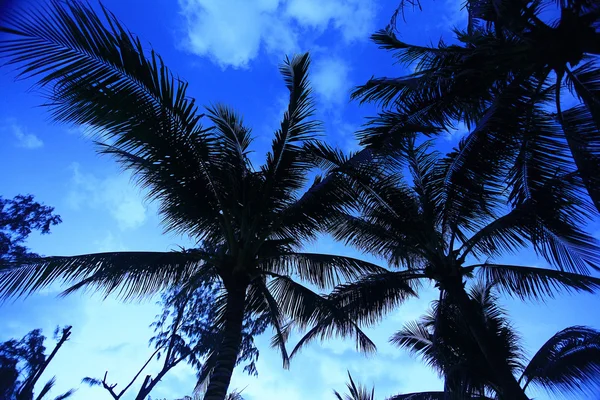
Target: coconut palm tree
{"points": [[444, 343], [444, 232], [356, 392], [567, 364], [250, 223], [507, 77]]}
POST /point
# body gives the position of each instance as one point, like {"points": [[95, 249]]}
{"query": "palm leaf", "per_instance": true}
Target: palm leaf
{"points": [[306, 308], [322, 270], [46, 389], [368, 299], [581, 125], [356, 392], [269, 306], [131, 274], [65, 395], [437, 396], [286, 166], [568, 362], [535, 283], [98, 74], [235, 137]]}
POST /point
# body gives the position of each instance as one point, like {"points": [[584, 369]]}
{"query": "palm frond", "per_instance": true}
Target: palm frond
{"points": [[46, 389], [269, 306], [65, 395], [306, 308], [130, 274], [390, 129], [535, 283], [581, 125], [368, 299], [555, 226], [234, 136], [415, 337], [286, 166], [568, 362], [96, 73], [422, 396], [321, 270], [235, 395], [356, 392]]}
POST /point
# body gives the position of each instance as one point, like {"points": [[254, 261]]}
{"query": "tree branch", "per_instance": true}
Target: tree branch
{"points": [[139, 372]]}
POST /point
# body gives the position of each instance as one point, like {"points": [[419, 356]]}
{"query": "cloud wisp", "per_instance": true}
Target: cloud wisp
{"points": [[114, 194], [24, 139]]}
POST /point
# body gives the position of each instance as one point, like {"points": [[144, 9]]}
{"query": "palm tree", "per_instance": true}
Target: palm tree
{"points": [[443, 232], [355, 392], [250, 223], [445, 344], [567, 364], [505, 78]]}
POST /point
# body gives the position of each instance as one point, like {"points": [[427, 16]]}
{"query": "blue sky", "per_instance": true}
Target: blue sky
{"points": [[228, 50]]}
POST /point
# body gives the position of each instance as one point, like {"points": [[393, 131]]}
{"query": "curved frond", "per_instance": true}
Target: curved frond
{"points": [[422, 396], [46, 388], [368, 299], [269, 306], [568, 362], [286, 166], [96, 73], [306, 308], [321, 270], [232, 134], [417, 339], [536, 283], [129, 274]]}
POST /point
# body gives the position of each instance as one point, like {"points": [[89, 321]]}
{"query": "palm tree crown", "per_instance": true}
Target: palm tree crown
{"points": [[505, 77], [445, 232]]}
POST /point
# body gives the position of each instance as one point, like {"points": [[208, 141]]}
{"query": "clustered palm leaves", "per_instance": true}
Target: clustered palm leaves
{"points": [[505, 77], [524, 176], [438, 231]]}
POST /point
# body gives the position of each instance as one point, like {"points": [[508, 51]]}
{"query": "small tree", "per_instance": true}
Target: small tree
{"points": [[18, 218], [186, 332], [23, 362]]}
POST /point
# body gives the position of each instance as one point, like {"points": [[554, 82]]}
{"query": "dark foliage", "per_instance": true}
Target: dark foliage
{"points": [[252, 221], [505, 77], [19, 217], [429, 228], [23, 362]]}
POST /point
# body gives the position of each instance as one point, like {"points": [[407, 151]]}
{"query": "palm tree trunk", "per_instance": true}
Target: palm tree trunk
{"points": [[508, 385], [230, 345]]}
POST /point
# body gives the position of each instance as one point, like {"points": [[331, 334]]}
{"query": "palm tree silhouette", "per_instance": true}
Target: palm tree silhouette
{"points": [[250, 223], [567, 364], [506, 78], [442, 232]]}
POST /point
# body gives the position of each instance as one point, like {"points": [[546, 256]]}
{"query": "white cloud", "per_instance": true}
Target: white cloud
{"points": [[234, 32], [116, 194], [330, 81], [25, 139]]}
